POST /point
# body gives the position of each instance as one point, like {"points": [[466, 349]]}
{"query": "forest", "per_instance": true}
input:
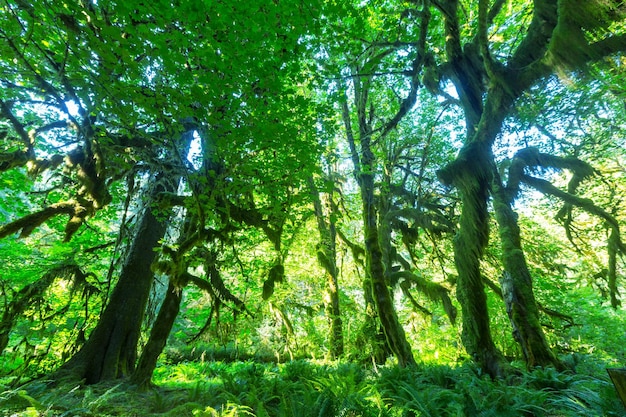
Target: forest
{"points": [[319, 208]]}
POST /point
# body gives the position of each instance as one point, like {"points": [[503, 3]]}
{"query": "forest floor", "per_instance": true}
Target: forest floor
{"points": [[307, 388]]}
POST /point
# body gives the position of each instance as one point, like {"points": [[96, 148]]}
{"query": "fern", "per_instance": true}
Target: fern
{"points": [[19, 398], [103, 400]]}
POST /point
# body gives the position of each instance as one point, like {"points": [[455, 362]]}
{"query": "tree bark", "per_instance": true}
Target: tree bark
{"points": [[375, 281], [469, 244], [327, 256], [158, 336], [178, 279], [613, 249], [394, 333], [517, 288], [111, 350]]}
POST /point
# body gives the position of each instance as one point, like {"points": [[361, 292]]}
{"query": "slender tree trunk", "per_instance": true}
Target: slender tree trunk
{"points": [[613, 248], [394, 333], [375, 277], [327, 256], [111, 350], [158, 336], [517, 289], [333, 312]]}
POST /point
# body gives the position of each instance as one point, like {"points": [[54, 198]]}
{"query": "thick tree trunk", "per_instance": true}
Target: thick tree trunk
{"points": [[517, 289], [468, 248], [158, 336], [111, 350], [471, 173], [372, 337], [169, 308]]}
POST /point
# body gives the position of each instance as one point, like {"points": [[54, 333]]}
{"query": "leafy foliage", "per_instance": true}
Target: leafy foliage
{"points": [[304, 388], [399, 134]]}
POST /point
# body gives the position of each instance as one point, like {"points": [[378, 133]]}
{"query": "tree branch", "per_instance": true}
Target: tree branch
{"points": [[584, 203], [432, 290], [31, 221]]}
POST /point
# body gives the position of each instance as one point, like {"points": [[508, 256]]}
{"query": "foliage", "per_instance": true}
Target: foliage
{"points": [[305, 388], [416, 123]]}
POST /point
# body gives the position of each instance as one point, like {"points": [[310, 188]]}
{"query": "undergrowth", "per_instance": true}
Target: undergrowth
{"points": [[306, 388]]}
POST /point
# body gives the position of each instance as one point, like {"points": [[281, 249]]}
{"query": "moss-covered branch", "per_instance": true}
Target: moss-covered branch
{"points": [[30, 222], [33, 293], [586, 204], [432, 290], [357, 251], [531, 157], [431, 221]]}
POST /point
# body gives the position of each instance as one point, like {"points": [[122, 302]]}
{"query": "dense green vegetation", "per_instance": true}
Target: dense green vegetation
{"points": [[312, 208], [302, 388]]}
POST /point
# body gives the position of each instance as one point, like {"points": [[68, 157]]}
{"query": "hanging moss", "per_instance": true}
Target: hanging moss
{"points": [[33, 293]]}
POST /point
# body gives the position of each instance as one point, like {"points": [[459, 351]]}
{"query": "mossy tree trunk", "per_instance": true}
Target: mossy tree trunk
{"points": [[517, 286], [158, 335], [487, 90], [176, 267], [327, 256], [393, 331], [111, 350], [372, 336], [364, 169], [472, 179]]}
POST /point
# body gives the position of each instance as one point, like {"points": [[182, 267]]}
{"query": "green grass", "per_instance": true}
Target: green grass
{"points": [[318, 389]]}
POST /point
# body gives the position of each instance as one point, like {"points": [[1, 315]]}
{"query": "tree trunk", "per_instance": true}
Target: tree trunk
{"points": [[394, 333], [374, 269], [334, 317], [170, 306], [158, 336], [372, 337], [327, 256], [476, 334], [613, 249], [517, 290], [111, 350], [471, 173]]}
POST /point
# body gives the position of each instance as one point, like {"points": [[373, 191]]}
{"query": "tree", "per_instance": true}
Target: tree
{"points": [[371, 112], [327, 257], [111, 351], [100, 58], [96, 95], [487, 90]]}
